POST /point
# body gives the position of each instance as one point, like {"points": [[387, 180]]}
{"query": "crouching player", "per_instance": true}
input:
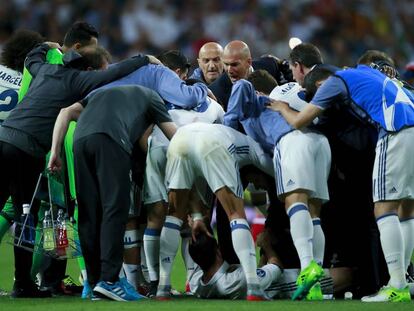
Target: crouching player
{"points": [[213, 153]]}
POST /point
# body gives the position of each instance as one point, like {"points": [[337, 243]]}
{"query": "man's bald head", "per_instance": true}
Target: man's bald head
{"points": [[237, 60], [210, 61]]}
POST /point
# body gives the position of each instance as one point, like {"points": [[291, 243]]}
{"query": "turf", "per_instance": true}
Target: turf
{"points": [[179, 304]]}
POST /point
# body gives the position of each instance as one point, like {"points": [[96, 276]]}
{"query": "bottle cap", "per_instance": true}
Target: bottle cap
{"points": [[26, 208]]}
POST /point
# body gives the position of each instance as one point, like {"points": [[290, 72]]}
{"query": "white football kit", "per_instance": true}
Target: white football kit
{"points": [[302, 158], [229, 282], [154, 189], [10, 81], [215, 153]]}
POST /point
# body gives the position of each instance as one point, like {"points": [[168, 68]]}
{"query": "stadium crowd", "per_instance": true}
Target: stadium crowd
{"points": [[324, 151], [342, 30]]}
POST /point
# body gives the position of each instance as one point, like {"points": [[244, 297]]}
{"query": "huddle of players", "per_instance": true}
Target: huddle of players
{"points": [[206, 157]]}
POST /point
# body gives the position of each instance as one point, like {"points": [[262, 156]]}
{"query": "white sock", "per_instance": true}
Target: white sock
{"points": [[393, 247], [143, 269], [407, 227], [188, 261], [131, 272], [318, 241], [152, 252], [301, 229], [245, 250], [169, 243], [122, 273]]}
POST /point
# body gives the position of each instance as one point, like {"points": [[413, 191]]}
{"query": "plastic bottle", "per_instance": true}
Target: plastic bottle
{"points": [[48, 233], [70, 231], [62, 238], [27, 225]]}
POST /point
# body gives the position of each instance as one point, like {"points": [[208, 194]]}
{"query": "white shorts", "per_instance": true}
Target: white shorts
{"points": [[393, 173], [200, 154], [154, 189], [302, 160]]}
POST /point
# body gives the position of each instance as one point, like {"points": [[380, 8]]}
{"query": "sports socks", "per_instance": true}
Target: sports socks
{"points": [[407, 227], [393, 247], [188, 261], [244, 247], [318, 241], [169, 243], [301, 229], [152, 251]]}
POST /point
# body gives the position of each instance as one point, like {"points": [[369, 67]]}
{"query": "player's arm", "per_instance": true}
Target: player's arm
{"points": [[66, 115], [175, 91], [297, 119], [86, 81], [244, 103], [168, 128], [37, 57]]}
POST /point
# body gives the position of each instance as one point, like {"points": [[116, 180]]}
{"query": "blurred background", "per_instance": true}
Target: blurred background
{"points": [[342, 29]]}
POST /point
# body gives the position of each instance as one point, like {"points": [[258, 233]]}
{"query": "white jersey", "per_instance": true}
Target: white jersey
{"points": [[10, 81], [229, 282], [293, 94], [212, 113]]}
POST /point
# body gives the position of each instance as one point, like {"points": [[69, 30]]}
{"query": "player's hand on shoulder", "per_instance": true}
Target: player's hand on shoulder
{"points": [[154, 60], [277, 105], [53, 45], [210, 94]]}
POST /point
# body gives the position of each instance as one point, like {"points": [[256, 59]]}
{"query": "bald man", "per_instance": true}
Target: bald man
{"points": [[237, 60], [238, 64], [210, 63]]}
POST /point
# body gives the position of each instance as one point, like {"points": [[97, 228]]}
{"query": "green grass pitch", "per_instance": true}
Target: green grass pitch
{"points": [[179, 304]]}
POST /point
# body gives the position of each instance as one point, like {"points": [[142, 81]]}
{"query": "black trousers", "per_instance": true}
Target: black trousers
{"points": [[102, 172], [20, 172]]}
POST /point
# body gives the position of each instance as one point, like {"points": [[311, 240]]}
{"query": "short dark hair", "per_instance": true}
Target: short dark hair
{"points": [[203, 251], [375, 56], [262, 81], [80, 32], [92, 56], [315, 75], [306, 54], [174, 59], [16, 48]]}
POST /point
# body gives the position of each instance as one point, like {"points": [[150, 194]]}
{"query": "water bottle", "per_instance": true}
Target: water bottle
{"points": [[27, 225], [48, 233], [62, 238], [70, 230]]}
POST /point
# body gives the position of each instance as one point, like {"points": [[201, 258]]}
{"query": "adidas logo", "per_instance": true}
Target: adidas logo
{"points": [[290, 183], [393, 190], [166, 259]]}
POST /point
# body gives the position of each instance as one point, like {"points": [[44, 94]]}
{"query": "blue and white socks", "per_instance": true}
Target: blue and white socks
{"points": [[301, 229], [244, 247], [393, 248], [318, 241], [169, 243], [152, 252], [407, 227]]}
